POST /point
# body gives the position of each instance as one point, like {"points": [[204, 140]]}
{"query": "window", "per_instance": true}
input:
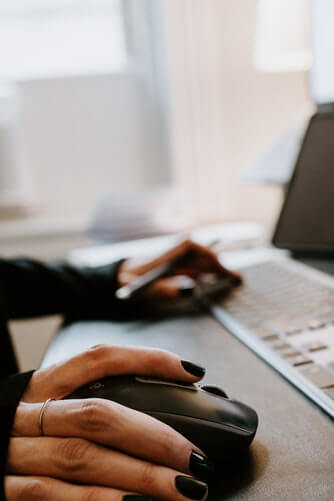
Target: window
{"points": [[47, 38], [89, 75]]}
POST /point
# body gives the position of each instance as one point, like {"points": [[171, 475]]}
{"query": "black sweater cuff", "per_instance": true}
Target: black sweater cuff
{"points": [[11, 390]]}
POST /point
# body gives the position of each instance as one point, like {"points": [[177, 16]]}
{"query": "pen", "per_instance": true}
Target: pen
{"points": [[138, 285]]}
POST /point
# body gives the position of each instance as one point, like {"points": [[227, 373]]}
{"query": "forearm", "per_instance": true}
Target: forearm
{"points": [[32, 288]]}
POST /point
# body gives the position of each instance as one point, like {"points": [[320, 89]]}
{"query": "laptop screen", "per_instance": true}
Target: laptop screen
{"points": [[306, 222]]}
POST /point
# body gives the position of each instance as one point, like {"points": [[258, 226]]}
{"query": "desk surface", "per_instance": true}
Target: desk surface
{"points": [[292, 457]]}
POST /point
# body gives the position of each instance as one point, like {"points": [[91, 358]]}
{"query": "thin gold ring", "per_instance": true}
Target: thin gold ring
{"points": [[41, 414]]}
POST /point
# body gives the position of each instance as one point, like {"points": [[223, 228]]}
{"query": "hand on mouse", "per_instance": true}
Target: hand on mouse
{"points": [[197, 260], [94, 449]]}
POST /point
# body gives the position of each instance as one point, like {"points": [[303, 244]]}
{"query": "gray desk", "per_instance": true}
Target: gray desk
{"points": [[292, 457]]}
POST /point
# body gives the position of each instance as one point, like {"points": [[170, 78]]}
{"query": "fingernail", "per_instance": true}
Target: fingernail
{"points": [[210, 388], [195, 370], [200, 465], [191, 488], [136, 497], [186, 285], [186, 290]]}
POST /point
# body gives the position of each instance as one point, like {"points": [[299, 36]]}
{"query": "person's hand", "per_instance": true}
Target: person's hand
{"points": [[195, 261], [97, 450]]}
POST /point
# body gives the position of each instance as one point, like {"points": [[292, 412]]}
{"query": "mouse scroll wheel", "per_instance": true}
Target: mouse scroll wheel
{"points": [[215, 390]]}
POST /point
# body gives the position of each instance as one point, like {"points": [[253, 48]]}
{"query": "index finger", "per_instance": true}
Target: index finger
{"points": [[100, 361], [140, 266], [199, 259]]}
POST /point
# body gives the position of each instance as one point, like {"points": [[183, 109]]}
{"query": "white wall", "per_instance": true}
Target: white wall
{"points": [[224, 112]]}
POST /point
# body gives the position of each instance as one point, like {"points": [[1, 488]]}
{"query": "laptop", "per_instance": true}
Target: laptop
{"points": [[284, 310]]}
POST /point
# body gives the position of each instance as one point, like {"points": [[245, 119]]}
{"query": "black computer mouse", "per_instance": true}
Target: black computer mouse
{"points": [[218, 425]]}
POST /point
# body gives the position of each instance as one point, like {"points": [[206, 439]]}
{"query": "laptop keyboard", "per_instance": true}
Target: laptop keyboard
{"points": [[288, 319]]}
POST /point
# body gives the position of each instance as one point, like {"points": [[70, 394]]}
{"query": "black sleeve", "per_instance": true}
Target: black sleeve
{"points": [[11, 390], [32, 289]]}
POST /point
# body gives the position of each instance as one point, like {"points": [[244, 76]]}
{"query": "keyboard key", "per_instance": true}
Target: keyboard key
{"points": [[286, 327], [320, 376], [315, 324], [300, 360], [266, 334], [315, 346], [281, 345], [291, 352], [291, 331]]}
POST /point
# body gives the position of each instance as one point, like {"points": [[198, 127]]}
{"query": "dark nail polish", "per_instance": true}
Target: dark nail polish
{"points": [[186, 291], [186, 285], [214, 389], [200, 465], [193, 369], [136, 497], [191, 488]]}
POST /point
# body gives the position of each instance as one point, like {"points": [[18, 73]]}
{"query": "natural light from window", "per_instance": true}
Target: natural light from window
{"points": [[50, 38]]}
